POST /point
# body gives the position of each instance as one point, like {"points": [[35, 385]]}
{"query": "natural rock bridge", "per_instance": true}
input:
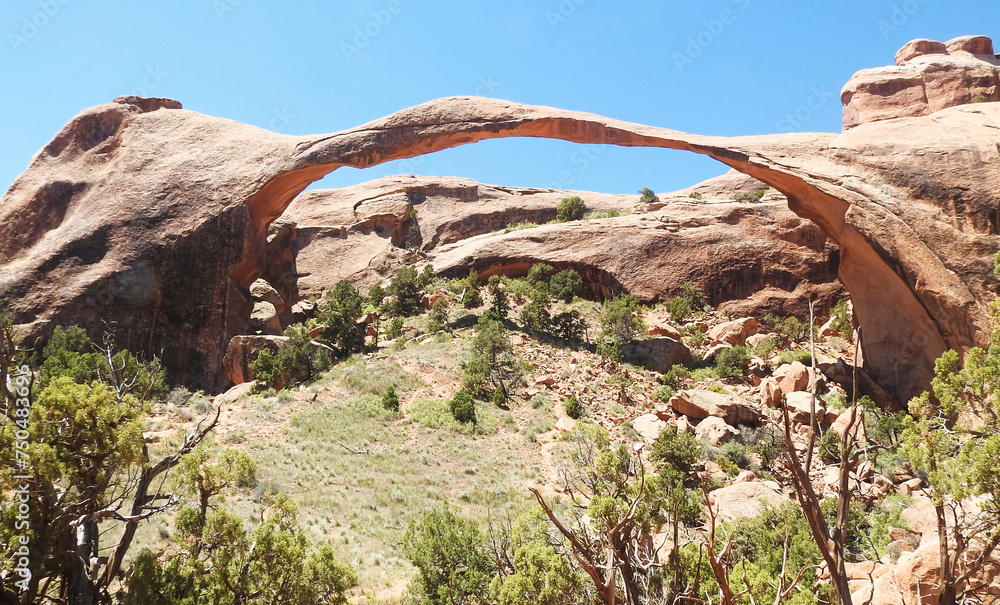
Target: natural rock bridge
{"points": [[155, 217]]}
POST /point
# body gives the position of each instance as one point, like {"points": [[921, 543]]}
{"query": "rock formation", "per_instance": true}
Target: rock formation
{"points": [[928, 76], [734, 251], [157, 217]]}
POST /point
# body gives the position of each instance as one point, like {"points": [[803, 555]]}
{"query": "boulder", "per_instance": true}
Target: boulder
{"points": [[733, 333], [239, 391], [662, 328], [770, 392], [744, 500], [916, 48], [261, 290], [715, 431], [264, 319], [659, 353], [703, 404], [649, 426], [792, 377], [799, 407], [928, 76]]}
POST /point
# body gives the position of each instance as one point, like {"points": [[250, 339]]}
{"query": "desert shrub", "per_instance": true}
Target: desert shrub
{"points": [[750, 196], [493, 365], [499, 305], [695, 195], [426, 277], [405, 292], [566, 285], [570, 209], [451, 556], [462, 407], [792, 328], [540, 273], [573, 407], [675, 376], [647, 196], [376, 296], [568, 325], [341, 308], [390, 401], [438, 317], [664, 393], [620, 321], [298, 360], [689, 300], [72, 354], [693, 335], [736, 452], [395, 328], [841, 317], [376, 378], [792, 355], [980, 99], [733, 362], [535, 314], [764, 348], [829, 447]]}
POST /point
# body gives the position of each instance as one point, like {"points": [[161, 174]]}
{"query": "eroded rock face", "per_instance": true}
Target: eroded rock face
{"points": [[157, 217], [928, 76]]}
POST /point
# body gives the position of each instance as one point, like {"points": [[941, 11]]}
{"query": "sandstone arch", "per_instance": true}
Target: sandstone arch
{"points": [[165, 223]]}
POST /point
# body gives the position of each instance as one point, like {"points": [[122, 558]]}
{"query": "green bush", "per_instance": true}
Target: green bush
{"points": [[647, 196], [980, 99], [733, 362], [376, 296], [390, 401], [620, 321], [540, 273], [570, 209], [568, 325], [764, 348], [802, 356], [694, 195], [438, 317], [339, 312], [297, 361], [792, 328], [676, 376], [689, 299], [451, 556], [841, 317], [566, 285], [404, 289], [535, 314], [395, 328], [462, 407], [664, 393], [493, 365], [573, 407], [750, 196]]}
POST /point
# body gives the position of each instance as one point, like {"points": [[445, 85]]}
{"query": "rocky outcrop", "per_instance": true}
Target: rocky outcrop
{"points": [[731, 250], [910, 203], [928, 76]]}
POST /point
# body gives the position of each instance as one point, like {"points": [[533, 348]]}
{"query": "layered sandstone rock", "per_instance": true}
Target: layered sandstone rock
{"points": [[928, 76], [157, 217]]}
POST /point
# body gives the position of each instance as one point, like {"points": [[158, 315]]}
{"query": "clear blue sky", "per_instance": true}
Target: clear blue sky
{"points": [[722, 67]]}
